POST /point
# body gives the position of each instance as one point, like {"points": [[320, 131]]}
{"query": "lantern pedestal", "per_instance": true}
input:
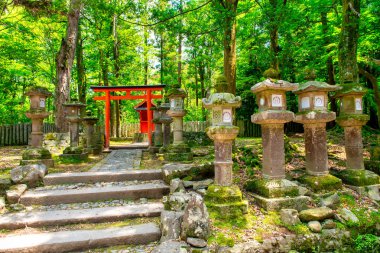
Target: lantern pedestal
{"points": [[355, 174], [158, 138], [36, 153], [73, 116], [91, 145]]}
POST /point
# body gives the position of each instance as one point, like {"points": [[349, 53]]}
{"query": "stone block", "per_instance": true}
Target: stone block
{"points": [[187, 171], [273, 188], [275, 204], [223, 194], [32, 175], [48, 162], [2, 203], [289, 217], [14, 193], [320, 184], [358, 177], [171, 225], [36, 154], [316, 214]]}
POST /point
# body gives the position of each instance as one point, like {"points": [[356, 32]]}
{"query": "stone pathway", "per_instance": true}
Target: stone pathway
{"points": [[112, 191], [119, 160]]}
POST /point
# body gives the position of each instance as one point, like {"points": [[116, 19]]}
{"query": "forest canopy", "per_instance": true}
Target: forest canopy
{"points": [[67, 46]]}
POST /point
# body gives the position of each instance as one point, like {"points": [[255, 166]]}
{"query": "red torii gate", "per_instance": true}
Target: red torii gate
{"points": [[148, 96]]}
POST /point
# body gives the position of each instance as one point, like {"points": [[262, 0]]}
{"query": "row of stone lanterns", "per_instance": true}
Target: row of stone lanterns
{"points": [[37, 113]]}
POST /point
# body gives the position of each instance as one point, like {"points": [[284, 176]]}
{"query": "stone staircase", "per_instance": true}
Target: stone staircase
{"points": [[80, 211]]}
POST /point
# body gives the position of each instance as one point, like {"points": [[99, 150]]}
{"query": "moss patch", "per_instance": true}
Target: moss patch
{"points": [[320, 184], [36, 154], [358, 177], [272, 188], [373, 166]]}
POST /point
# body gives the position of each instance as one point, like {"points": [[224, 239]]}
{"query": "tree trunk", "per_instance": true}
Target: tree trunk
{"points": [[348, 67], [64, 63], [81, 72], [329, 63], [229, 44], [179, 69], [146, 60], [375, 87], [116, 72], [162, 59]]}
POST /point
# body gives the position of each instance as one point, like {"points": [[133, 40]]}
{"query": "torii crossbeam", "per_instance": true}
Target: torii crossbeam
{"points": [[107, 97]]}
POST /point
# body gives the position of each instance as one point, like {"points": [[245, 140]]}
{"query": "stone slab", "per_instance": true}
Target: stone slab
{"points": [[51, 197], [275, 204], [67, 241], [102, 176], [61, 217]]}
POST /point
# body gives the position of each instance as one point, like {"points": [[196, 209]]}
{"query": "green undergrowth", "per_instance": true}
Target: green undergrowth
{"points": [[247, 157], [5, 172], [367, 243], [70, 160]]}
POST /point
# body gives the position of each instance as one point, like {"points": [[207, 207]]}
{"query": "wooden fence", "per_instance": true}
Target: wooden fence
{"points": [[18, 134]]}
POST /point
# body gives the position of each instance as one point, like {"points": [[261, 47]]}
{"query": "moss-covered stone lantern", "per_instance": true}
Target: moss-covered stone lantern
{"points": [[313, 113], [352, 119], [37, 113], [166, 120], [273, 191], [72, 110], [178, 151], [91, 141], [223, 197]]}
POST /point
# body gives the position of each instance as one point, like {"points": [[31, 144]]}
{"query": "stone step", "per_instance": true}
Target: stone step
{"points": [[101, 176], [94, 215], [154, 190], [66, 241]]}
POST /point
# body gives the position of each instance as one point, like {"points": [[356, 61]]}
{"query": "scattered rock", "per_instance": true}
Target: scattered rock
{"points": [[314, 226], [328, 224], [196, 242], [332, 201], [14, 193], [303, 191], [196, 219], [188, 184], [317, 214], [5, 183], [202, 192], [202, 184], [348, 216], [373, 192], [176, 185], [176, 201], [171, 225], [289, 217], [171, 246], [30, 174]]}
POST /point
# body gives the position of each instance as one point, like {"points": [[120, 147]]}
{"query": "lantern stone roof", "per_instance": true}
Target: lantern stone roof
{"points": [[74, 104], [351, 89], [273, 84], [316, 86], [176, 92], [218, 99], [38, 90]]}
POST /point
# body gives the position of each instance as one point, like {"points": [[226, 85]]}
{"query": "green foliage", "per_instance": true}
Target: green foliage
{"points": [[367, 243], [247, 158]]}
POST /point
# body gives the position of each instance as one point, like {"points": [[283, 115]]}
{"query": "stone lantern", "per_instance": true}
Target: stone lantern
{"points": [[37, 113], [272, 115], [91, 141], [158, 139], [73, 116], [313, 114], [166, 120], [223, 132], [178, 151], [352, 119]]}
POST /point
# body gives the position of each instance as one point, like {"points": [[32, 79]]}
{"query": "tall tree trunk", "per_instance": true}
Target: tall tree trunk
{"points": [[348, 67], [146, 60], [196, 79], [116, 72], [375, 87], [64, 63], [179, 68], [329, 62], [81, 72], [229, 43], [162, 58]]}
